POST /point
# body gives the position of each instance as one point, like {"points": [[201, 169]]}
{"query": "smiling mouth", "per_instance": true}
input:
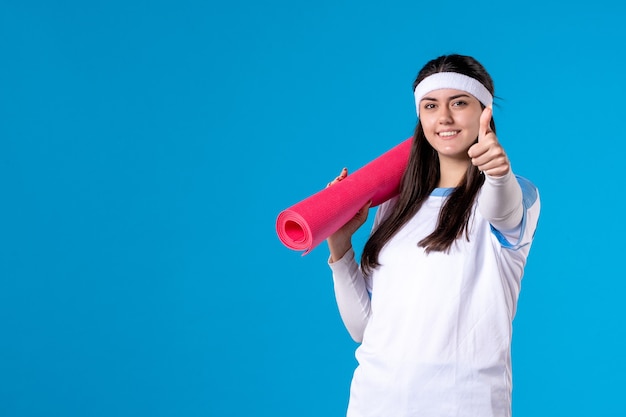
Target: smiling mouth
{"points": [[448, 133]]}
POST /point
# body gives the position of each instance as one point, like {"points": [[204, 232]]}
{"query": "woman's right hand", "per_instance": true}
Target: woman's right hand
{"points": [[341, 241]]}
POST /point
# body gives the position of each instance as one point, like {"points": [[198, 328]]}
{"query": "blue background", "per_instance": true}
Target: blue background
{"points": [[146, 148]]}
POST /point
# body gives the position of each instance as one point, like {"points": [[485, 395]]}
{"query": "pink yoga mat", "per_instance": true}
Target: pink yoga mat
{"points": [[306, 224]]}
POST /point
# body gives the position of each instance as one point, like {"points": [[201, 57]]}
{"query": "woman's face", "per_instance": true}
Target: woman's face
{"points": [[450, 119]]}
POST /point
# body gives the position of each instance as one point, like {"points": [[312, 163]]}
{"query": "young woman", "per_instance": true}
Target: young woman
{"points": [[433, 299]]}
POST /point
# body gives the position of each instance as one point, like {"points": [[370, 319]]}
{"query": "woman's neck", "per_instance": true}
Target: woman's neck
{"points": [[452, 171]]}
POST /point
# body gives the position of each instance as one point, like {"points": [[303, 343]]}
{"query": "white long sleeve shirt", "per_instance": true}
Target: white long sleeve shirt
{"points": [[435, 330]]}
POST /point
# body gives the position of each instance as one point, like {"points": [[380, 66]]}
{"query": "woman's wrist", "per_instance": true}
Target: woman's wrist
{"points": [[338, 248]]}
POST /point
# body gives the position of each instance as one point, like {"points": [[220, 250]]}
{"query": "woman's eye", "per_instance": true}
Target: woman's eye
{"points": [[429, 106], [459, 103]]}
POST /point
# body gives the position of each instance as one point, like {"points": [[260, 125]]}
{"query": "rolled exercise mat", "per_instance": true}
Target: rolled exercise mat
{"points": [[306, 224]]}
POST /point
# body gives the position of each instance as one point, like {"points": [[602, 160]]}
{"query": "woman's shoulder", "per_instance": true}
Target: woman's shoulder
{"points": [[388, 205], [385, 209], [530, 193]]}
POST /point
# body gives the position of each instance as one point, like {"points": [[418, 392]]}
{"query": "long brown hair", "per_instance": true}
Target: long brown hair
{"points": [[422, 176]]}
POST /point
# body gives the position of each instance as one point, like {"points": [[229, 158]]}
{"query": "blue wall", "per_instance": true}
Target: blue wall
{"points": [[147, 147]]}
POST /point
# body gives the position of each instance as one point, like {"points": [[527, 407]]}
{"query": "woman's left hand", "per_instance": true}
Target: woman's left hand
{"points": [[488, 155]]}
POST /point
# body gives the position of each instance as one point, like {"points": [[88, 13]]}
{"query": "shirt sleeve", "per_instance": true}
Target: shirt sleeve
{"points": [[500, 202], [511, 205], [351, 293], [352, 288]]}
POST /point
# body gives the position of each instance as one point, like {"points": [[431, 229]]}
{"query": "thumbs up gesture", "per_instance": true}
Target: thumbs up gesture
{"points": [[488, 155]]}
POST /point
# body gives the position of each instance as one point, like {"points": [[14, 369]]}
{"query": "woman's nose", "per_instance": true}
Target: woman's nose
{"points": [[445, 115]]}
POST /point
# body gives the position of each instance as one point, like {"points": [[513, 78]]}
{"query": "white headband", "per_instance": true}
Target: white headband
{"points": [[454, 81]]}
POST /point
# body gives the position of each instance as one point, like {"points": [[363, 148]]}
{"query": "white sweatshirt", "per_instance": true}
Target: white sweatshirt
{"points": [[436, 329]]}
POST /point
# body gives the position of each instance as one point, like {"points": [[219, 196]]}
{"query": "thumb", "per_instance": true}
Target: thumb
{"points": [[485, 119]]}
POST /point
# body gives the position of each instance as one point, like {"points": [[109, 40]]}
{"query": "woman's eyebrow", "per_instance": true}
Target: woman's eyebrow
{"points": [[454, 97]]}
